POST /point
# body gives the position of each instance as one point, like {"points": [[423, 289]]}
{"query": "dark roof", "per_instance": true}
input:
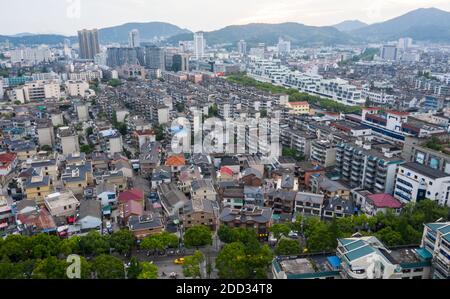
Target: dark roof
{"points": [[90, 208], [426, 171], [246, 214], [147, 221]]}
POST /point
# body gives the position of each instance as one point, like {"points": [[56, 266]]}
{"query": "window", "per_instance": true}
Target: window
{"points": [[417, 277], [418, 270]]}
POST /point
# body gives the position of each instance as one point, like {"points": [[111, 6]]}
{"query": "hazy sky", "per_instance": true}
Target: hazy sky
{"points": [[67, 16]]}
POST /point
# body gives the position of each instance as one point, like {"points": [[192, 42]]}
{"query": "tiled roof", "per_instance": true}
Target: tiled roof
{"points": [[176, 160], [384, 201], [134, 194]]}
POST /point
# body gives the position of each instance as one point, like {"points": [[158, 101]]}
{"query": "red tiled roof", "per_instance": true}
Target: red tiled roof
{"points": [[133, 194], [133, 208], [43, 220], [176, 160], [384, 201], [6, 159], [226, 170], [397, 113]]}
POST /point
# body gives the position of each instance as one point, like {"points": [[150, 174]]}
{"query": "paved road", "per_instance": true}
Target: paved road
{"points": [[166, 264]]}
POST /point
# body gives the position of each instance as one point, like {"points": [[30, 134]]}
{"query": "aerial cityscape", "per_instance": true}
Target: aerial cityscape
{"points": [[263, 149]]}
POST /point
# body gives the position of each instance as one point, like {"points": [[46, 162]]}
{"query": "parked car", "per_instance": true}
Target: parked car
{"points": [[179, 261]]}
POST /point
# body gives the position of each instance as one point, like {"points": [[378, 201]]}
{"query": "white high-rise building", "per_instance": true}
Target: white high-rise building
{"points": [[199, 45], [1, 88], [284, 47], [405, 43], [133, 39], [242, 47]]}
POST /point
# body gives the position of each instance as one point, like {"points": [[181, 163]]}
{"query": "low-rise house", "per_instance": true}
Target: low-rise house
{"points": [[232, 163], [172, 199], [146, 225], [7, 214], [38, 187], [309, 204], [106, 194], [132, 195], [149, 158], [249, 217], [160, 175], [48, 166], [330, 188], [252, 177], [281, 201], [90, 215], [176, 163], [115, 178], [203, 189], [8, 162], [100, 162], [77, 177], [227, 174], [188, 175], [305, 170], [376, 203], [254, 196], [26, 206], [129, 209], [200, 212], [339, 208], [124, 167], [232, 197], [36, 221], [62, 204]]}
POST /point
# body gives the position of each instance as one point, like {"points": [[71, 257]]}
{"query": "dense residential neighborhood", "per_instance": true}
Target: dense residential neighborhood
{"points": [[239, 161]]}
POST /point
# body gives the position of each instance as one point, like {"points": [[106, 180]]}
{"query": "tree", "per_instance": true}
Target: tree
{"points": [[389, 237], [16, 248], [135, 269], [46, 148], [238, 261], [287, 247], [198, 236], [213, 111], [263, 113], [44, 246], [280, 229], [232, 262], [225, 234], [87, 149], [70, 246], [149, 271], [160, 241], [50, 268], [319, 236], [191, 266], [114, 83], [122, 241], [108, 267], [94, 244], [89, 131], [153, 242], [180, 107]]}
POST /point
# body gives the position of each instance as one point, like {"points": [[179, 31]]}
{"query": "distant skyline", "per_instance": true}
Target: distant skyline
{"points": [[67, 16]]}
